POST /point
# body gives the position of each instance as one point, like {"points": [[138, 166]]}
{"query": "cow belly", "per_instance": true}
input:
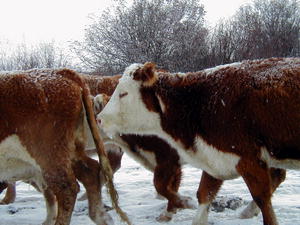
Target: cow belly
{"points": [[218, 164], [15, 162]]}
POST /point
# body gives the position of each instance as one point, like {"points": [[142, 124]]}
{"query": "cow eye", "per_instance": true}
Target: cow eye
{"points": [[121, 95]]}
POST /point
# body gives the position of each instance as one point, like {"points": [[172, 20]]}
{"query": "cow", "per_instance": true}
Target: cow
{"points": [[239, 119], [97, 84], [159, 157], [166, 166], [42, 140], [150, 151]]}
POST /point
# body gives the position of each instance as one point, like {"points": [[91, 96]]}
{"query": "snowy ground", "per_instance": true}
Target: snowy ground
{"points": [[138, 199]]}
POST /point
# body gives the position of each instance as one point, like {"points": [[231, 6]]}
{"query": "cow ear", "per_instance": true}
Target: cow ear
{"points": [[100, 101], [146, 74]]}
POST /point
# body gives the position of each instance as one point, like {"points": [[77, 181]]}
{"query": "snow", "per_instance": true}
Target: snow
{"points": [[138, 199]]}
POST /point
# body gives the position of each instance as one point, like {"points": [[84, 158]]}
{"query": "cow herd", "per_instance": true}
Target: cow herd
{"points": [[240, 119]]}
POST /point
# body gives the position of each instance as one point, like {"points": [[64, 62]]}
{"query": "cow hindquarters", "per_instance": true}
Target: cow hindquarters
{"points": [[208, 188]]}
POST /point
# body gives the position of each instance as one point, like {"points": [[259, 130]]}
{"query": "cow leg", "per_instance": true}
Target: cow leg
{"points": [[62, 182], [87, 172], [208, 188], [257, 176], [114, 156], [167, 179], [51, 206], [10, 194], [277, 176]]}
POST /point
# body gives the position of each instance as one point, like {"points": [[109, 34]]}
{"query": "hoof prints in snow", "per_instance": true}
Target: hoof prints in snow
{"points": [[221, 203], [13, 210]]}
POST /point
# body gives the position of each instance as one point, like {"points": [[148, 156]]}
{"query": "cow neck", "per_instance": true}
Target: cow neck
{"points": [[179, 100]]}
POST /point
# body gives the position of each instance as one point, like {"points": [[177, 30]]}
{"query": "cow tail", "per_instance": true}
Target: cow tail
{"points": [[103, 160]]}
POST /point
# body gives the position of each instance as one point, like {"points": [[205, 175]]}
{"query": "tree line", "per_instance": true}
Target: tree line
{"points": [[175, 35], [24, 56]]}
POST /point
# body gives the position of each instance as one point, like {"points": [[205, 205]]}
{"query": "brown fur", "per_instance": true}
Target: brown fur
{"points": [[146, 74], [237, 109], [101, 84], [51, 101]]}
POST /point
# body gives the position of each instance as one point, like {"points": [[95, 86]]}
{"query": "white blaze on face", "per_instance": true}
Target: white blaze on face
{"points": [[126, 111]]}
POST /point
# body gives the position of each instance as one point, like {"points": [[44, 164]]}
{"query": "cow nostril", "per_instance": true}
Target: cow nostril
{"points": [[98, 120]]}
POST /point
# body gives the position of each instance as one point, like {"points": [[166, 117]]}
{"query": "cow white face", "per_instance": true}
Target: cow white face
{"points": [[126, 112]]}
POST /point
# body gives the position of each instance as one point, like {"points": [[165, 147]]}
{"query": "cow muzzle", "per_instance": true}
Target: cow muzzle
{"points": [[107, 125]]}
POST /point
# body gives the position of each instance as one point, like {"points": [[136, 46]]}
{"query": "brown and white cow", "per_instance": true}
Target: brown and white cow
{"points": [[160, 158], [42, 140], [234, 120], [97, 84], [150, 151]]}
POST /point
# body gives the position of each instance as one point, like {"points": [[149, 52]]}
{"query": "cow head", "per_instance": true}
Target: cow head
{"points": [[127, 112]]}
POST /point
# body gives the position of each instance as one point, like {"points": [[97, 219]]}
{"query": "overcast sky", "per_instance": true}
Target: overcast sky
{"points": [[63, 20]]}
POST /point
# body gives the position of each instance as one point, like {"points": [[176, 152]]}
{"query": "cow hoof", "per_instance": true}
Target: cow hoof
{"points": [[49, 222], [160, 197], [164, 217], [5, 202], [46, 223], [105, 219], [250, 211], [188, 202]]}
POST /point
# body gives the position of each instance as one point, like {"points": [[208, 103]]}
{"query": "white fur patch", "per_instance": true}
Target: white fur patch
{"points": [[127, 115], [161, 103], [129, 71], [15, 162], [201, 217], [218, 164], [284, 164]]}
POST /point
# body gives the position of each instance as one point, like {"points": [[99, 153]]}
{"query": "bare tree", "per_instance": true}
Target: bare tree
{"points": [[267, 28], [168, 32], [41, 55], [261, 29], [222, 43]]}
